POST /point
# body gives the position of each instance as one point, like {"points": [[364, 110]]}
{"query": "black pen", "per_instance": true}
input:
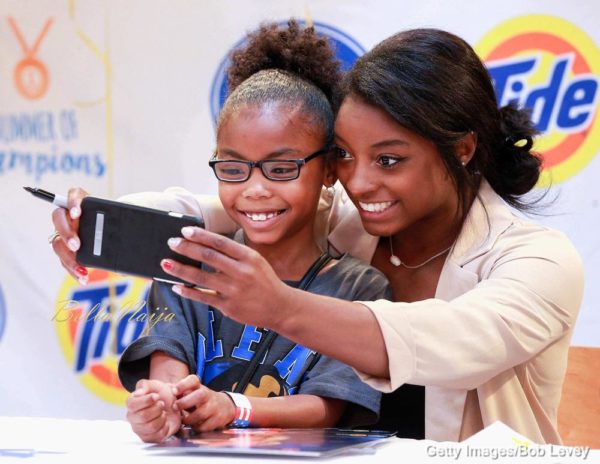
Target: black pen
{"points": [[57, 200]]}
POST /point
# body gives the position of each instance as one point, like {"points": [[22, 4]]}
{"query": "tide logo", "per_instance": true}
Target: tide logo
{"points": [[95, 323], [347, 50], [552, 67], [2, 314]]}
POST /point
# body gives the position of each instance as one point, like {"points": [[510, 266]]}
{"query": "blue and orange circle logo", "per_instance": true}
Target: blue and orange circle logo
{"points": [[552, 67], [95, 323], [347, 50]]}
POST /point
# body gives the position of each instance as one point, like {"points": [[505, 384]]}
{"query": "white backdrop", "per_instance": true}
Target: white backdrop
{"points": [[116, 96]]}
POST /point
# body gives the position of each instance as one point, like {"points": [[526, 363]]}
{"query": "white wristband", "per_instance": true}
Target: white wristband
{"points": [[243, 409]]}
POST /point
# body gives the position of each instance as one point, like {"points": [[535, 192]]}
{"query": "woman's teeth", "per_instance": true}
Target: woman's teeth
{"points": [[262, 216], [375, 207]]}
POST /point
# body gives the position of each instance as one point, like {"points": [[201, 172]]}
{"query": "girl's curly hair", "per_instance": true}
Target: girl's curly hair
{"points": [[299, 51], [290, 65]]}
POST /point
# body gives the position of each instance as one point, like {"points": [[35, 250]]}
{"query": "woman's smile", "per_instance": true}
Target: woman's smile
{"points": [[375, 207]]}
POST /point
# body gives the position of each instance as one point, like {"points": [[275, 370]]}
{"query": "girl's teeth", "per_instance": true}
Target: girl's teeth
{"points": [[375, 207], [261, 216]]}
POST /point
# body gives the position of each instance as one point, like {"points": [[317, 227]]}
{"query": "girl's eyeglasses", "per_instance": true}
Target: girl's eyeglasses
{"points": [[277, 170]]}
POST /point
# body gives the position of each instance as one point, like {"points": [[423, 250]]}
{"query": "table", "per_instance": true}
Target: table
{"points": [[75, 441]]}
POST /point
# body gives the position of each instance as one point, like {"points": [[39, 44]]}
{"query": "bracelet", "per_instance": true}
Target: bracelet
{"points": [[243, 410]]}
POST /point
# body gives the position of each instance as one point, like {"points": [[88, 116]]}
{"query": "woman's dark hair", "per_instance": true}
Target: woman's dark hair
{"points": [[434, 84], [291, 65]]}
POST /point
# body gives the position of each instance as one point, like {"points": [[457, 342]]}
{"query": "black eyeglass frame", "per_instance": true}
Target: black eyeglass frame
{"points": [[213, 162]]}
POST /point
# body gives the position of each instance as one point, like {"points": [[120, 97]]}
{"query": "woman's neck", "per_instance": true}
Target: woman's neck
{"points": [[429, 236]]}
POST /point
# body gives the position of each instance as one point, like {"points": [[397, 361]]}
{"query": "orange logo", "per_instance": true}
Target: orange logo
{"points": [[30, 75], [550, 66]]}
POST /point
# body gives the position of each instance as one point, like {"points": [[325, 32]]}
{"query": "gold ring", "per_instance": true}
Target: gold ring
{"points": [[53, 237], [207, 291]]}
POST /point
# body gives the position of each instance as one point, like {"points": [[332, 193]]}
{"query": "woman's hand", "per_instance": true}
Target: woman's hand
{"points": [[66, 224], [244, 286]]}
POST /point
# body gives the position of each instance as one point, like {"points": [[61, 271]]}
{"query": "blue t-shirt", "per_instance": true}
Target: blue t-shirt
{"points": [[218, 349]]}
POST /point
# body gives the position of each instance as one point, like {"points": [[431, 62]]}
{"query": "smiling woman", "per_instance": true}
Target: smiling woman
{"points": [[398, 180]]}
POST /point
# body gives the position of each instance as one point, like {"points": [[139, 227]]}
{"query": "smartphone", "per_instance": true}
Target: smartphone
{"points": [[130, 239]]}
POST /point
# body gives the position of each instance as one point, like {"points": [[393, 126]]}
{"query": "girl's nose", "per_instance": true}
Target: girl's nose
{"points": [[257, 186]]}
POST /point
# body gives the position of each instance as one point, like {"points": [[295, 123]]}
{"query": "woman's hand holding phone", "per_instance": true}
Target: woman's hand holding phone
{"points": [[66, 224], [242, 275]]}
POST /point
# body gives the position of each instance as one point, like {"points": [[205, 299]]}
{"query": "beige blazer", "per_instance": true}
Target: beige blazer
{"points": [[493, 343]]}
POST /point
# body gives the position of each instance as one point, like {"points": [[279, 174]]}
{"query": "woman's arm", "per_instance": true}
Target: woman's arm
{"points": [[249, 291], [529, 299], [344, 330]]}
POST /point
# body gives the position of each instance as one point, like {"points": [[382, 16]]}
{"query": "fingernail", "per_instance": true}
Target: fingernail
{"points": [[187, 232], [83, 280], [173, 242], [161, 404], [168, 265], [154, 396], [138, 392], [176, 289], [75, 212], [174, 391], [81, 271], [174, 407], [73, 244]]}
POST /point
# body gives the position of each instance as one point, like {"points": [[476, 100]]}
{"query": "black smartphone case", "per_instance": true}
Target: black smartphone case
{"points": [[130, 239]]}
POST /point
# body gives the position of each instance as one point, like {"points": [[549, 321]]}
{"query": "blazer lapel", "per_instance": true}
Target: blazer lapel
{"points": [[486, 220]]}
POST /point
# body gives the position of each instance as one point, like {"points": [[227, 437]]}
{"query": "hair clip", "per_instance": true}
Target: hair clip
{"points": [[522, 143]]}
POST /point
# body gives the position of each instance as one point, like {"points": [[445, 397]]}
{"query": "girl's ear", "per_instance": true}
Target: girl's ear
{"points": [[330, 174]]}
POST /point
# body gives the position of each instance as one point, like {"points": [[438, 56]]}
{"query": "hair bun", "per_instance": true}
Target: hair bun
{"points": [[294, 49], [517, 168], [516, 125]]}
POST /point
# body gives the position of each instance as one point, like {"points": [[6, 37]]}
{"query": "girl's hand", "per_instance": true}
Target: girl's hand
{"points": [[244, 286], [150, 411], [66, 224], [203, 409]]}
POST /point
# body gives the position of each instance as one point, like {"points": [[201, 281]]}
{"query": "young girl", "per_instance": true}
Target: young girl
{"points": [[273, 142]]}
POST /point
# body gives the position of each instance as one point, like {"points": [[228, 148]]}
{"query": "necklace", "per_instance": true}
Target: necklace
{"points": [[396, 261]]}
